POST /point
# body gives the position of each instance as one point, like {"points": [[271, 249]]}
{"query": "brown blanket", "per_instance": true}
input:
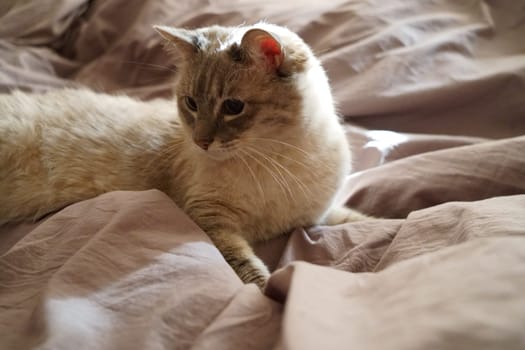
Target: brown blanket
{"points": [[444, 267]]}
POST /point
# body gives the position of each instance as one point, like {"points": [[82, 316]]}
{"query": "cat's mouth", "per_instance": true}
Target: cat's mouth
{"points": [[221, 151]]}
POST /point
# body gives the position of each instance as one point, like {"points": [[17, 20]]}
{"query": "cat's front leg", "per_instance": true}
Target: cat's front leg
{"points": [[341, 215], [239, 254]]}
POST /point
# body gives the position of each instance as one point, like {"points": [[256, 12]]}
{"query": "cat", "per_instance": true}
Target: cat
{"points": [[250, 147]]}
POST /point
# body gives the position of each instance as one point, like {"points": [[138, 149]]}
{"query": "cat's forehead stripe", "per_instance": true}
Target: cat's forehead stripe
{"points": [[203, 83]]}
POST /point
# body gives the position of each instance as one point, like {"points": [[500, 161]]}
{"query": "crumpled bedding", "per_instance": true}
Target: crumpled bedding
{"points": [[434, 96]]}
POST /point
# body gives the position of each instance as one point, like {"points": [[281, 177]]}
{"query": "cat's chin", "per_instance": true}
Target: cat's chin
{"points": [[218, 155]]}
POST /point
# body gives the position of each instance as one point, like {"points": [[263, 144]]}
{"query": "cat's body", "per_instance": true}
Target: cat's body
{"points": [[245, 164]]}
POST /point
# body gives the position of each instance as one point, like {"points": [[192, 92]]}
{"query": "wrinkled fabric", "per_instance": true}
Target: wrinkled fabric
{"points": [[437, 89], [131, 270], [446, 66]]}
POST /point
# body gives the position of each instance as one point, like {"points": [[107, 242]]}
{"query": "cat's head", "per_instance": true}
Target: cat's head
{"points": [[238, 86]]}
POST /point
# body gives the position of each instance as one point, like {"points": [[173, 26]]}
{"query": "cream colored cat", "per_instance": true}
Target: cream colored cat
{"points": [[250, 148]]}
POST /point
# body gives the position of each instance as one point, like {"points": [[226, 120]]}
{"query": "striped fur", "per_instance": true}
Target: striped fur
{"points": [[275, 165]]}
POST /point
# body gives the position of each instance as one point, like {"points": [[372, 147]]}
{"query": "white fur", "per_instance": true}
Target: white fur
{"points": [[70, 145]]}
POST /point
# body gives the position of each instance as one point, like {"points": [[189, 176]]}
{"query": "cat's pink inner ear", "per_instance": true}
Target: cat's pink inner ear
{"points": [[264, 45], [272, 51]]}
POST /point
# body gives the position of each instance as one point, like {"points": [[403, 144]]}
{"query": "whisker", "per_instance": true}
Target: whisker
{"points": [[259, 186], [272, 174], [282, 143], [294, 177], [150, 65], [270, 161], [166, 153], [306, 166]]}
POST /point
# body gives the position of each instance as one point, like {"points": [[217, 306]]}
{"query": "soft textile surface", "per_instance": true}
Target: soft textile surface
{"points": [[443, 267], [437, 66]]}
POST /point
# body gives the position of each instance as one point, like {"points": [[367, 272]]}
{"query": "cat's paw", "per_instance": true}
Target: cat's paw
{"points": [[259, 280], [254, 271], [342, 215]]}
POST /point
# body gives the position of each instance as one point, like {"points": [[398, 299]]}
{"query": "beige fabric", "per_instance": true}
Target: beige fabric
{"points": [[442, 268], [466, 173], [464, 297], [446, 66], [130, 270]]}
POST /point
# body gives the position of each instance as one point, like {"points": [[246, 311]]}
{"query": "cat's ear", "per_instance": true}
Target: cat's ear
{"points": [[264, 48], [179, 41]]}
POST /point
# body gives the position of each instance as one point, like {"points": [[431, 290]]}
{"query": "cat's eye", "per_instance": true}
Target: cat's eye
{"points": [[190, 103], [232, 106]]}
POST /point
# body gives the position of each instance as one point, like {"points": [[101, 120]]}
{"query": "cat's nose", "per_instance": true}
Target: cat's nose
{"points": [[203, 143]]}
